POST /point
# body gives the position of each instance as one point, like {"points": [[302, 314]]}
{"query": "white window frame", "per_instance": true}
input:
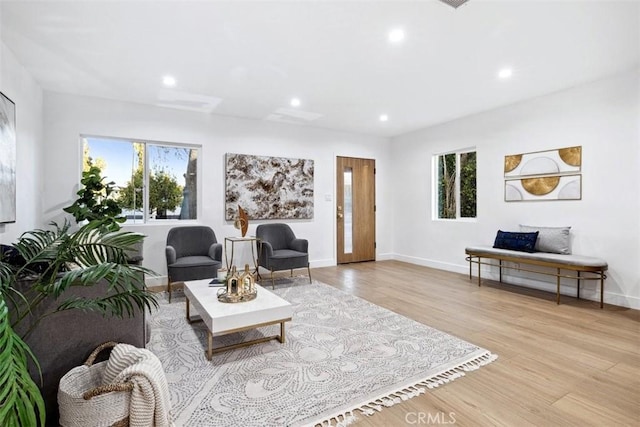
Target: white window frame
{"points": [[435, 184], [146, 217]]}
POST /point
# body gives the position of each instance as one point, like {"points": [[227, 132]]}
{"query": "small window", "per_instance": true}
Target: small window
{"points": [[154, 181], [455, 185]]}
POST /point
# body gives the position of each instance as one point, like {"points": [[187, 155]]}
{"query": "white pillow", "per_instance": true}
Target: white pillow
{"points": [[550, 239]]}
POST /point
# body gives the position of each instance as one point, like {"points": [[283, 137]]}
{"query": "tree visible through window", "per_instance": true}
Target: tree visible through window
{"points": [[167, 172], [456, 185]]}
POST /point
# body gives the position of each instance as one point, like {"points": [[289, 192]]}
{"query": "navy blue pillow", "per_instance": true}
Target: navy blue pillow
{"points": [[523, 242], [10, 255]]}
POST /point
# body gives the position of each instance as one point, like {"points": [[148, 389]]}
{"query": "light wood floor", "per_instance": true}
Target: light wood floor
{"points": [[567, 365]]}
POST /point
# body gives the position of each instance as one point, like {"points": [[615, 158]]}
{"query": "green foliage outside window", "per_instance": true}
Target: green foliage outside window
{"points": [[167, 198], [164, 193], [450, 167], [447, 186], [468, 185]]}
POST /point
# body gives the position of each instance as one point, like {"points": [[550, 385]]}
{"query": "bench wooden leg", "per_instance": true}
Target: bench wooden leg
{"points": [[558, 290], [578, 280], [479, 271], [500, 271], [601, 289]]}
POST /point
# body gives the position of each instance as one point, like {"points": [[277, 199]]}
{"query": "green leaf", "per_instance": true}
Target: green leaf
{"points": [[21, 403]]}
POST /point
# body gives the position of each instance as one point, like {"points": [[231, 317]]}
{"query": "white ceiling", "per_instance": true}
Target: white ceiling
{"points": [[248, 59]]}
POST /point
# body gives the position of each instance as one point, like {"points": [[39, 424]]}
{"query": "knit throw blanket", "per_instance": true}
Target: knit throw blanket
{"points": [[150, 404]]}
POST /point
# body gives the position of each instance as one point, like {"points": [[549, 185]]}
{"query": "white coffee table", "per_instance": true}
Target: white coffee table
{"points": [[225, 318]]}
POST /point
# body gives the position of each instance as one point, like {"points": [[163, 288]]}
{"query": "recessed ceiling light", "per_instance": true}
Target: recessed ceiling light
{"points": [[384, 117], [295, 102], [505, 73], [169, 81], [396, 36]]}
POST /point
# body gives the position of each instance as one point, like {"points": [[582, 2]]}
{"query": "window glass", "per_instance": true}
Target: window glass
{"points": [[348, 211], [167, 172], [447, 186], [456, 185], [468, 184]]}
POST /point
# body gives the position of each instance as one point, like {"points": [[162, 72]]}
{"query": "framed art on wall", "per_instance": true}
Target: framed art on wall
{"points": [[544, 175], [558, 187], [268, 187], [7, 160]]}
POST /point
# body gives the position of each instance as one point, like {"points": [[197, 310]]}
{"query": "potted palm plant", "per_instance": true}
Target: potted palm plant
{"points": [[44, 264], [96, 200]]}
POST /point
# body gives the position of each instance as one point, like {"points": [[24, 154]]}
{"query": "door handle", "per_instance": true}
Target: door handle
{"points": [[340, 214]]}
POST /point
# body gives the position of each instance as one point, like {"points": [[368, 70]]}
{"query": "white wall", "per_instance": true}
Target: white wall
{"points": [[68, 116], [603, 117], [17, 84]]}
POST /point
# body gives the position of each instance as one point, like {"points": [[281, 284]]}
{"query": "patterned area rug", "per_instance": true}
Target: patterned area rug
{"points": [[343, 357]]}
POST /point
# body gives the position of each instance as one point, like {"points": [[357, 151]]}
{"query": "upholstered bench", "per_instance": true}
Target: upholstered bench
{"points": [[560, 265]]}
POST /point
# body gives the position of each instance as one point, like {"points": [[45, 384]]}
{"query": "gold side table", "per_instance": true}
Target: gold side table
{"points": [[233, 241]]}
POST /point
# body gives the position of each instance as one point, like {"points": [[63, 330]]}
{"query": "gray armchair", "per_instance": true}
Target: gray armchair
{"points": [[279, 249], [192, 253]]}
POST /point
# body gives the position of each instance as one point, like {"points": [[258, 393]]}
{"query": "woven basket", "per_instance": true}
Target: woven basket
{"points": [[84, 401]]}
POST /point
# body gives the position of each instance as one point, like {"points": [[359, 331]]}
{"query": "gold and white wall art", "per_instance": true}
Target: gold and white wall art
{"points": [[544, 175]]}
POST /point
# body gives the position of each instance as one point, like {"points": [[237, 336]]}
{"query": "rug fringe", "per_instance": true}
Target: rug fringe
{"points": [[342, 420], [346, 418]]}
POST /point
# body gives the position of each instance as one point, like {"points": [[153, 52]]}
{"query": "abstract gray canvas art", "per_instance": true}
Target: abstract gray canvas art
{"points": [[268, 187], [7, 160]]}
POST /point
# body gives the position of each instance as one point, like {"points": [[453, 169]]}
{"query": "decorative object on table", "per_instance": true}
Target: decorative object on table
{"points": [[269, 187], [242, 221], [544, 175], [240, 287], [222, 274], [84, 399], [349, 342], [248, 281], [7, 160]]}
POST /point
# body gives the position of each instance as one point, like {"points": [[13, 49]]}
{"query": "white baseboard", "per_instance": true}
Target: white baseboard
{"points": [[588, 291], [384, 257], [322, 263], [432, 263], [153, 281]]}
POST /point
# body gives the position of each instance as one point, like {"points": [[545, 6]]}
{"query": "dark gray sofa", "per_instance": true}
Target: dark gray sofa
{"points": [[64, 340]]}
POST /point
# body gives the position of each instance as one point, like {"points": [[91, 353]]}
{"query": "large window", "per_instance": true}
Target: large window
{"points": [[155, 181], [455, 185]]}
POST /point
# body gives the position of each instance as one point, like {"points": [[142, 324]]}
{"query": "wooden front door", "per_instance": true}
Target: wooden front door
{"points": [[356, 209]]}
